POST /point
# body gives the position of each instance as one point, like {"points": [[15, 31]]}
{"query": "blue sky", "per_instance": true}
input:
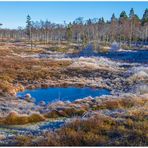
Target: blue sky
{"points": [[13, 14]]}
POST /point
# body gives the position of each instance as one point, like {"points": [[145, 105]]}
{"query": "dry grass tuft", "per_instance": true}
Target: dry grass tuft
{"points": [[15, 119]]}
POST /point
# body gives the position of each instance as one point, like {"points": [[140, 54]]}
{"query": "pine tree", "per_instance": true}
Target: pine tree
{"points": [[137, 17], [69, 32], [89, 22], [123, 15], [145, 17], [29, 29], [123, 19], [102, 19], [145, 23], [113, 27], [113, 18], [131, 14]]}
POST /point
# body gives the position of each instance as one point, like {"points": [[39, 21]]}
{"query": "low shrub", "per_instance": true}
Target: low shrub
{"points": [[96, 131], [65, 112]]}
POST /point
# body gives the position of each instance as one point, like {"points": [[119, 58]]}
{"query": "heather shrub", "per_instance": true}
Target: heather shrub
{"points": [[96, 131]]}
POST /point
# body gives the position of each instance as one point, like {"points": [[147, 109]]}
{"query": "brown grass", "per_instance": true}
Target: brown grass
{"points": [[14, 70], [121, 103], [14, 119], [65, 112], [128, 129], [98, 131]]}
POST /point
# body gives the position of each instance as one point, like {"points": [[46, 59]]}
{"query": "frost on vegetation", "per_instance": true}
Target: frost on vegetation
{"points": [[140, 68], [139, 73], [94, 63], [140, 89]]}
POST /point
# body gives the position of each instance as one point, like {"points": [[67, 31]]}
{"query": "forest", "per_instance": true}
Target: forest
{"points": [[127, 29]]}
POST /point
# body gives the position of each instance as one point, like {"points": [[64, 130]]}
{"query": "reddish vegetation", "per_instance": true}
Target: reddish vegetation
{"points": [[16, 71]]}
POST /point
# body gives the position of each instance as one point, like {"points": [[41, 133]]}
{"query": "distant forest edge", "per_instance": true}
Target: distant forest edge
{"points": [[127, 30]]}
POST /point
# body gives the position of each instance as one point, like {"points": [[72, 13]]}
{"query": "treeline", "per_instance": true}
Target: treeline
{"points": [[125, 29]]}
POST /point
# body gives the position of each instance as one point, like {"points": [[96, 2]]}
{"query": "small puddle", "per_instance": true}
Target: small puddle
{"points": [[50, 95]]}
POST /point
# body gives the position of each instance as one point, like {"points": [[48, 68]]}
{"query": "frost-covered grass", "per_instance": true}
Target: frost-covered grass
{"points": [[114, 122], [95, 131], [95, 63], [118, 120]]}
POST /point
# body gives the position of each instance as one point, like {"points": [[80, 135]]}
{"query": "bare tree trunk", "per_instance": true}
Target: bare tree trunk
{"points": [[31, 37], [131, 30]]}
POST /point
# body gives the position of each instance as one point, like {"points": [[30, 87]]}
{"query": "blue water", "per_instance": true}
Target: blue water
{"points": [[136, 56], [140, 56], [63, 94]]}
